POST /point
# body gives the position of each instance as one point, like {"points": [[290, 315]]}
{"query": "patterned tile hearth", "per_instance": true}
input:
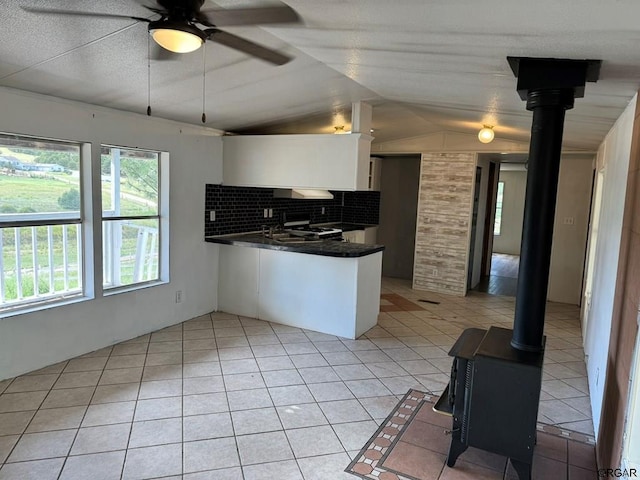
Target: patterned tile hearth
{"points": [[412, 444]]}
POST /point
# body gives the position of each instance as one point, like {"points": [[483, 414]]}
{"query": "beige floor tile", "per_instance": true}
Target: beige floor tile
{"points": [[205, 369], [231, 367], [318, 375], [37, 469], [64, 418], [249, 399], [304, 415], [157, 408], [235, 353], [291, 395], [313, 441], [153, 462], [300, 348], [281, 378], [162, 372], [36, 446], [205, 403], [367, 388], [323, 392], [342, 411], [32, 383], [255, 421], [19, 402], [78, 379], [232, 342], [121, 375], [266, 345], [233, 473], [156, 432], [103, 466], [200, 356], [101, 439], [205, 427], [353, 372], [125, 361], [109, 413], [285, 470], [326, 466], [243, 381], [354, 435], [160, 389], [379, 407], [196, 385], [210, 454], [85, 364], [68, 397], [7, 442], [264, 448], [167, 358], [340, 357], [130, 349], [165, 347], [275, 363], [15, 423], [115, 393]]}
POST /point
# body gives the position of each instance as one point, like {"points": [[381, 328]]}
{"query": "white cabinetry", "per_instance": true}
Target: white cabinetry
{"points": [[336, 162], [333, 295]]}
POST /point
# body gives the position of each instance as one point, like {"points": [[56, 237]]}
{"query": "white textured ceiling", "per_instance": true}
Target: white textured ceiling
{"points": [[425, 66]]}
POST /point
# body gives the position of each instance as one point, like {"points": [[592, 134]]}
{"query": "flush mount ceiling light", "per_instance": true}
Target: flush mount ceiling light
{"points": [[177, 37], [486, 134]]}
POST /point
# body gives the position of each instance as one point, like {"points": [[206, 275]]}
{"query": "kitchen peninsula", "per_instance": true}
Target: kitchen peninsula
{"points": [[327, 286]]}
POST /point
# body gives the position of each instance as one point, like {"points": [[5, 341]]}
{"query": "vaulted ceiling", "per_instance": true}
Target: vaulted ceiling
{"points": [[425, 66]]}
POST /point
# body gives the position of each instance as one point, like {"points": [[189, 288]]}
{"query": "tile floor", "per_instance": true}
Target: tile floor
{"points": [[225, 397]]}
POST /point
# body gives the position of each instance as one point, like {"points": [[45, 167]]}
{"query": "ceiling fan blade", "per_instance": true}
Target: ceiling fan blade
{"points": [[82, 14], [248, 16], [246, 46]]}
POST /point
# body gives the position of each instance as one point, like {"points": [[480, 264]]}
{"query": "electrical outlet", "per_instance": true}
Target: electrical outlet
{"points": [[178, 296], [322, 210], [434, 272], [212, 215], [266, 213], [568, 220], [271, 213]]}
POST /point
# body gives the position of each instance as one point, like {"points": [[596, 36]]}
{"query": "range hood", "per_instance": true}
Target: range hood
{"points": [[302, 193]]}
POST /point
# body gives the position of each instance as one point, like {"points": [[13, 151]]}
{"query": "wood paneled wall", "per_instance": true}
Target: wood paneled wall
{"points": [[442, 231]]}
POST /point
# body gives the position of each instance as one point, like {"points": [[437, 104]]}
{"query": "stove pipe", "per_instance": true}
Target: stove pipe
{"points": [[549, 86]]}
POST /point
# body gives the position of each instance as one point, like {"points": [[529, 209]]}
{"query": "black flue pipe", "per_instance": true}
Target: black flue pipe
{"points": [[548, 106]]}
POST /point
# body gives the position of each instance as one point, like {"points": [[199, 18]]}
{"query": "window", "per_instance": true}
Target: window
{"points": [[498, 220], [130, 216], [40, 221]]}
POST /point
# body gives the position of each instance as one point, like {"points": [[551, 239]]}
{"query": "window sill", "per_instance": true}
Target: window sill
{"points": [[109, 291], [43, 305]]}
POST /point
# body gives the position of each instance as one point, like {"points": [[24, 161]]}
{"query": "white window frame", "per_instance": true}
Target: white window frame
{"points": [[163, 224], [90, 222], [501, 210]]}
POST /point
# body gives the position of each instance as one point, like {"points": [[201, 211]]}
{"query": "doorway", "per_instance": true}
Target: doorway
{"points": [[503, 231], [399, 185]]}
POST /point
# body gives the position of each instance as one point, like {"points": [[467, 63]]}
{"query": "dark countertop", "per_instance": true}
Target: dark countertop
{"points": [[329, 248]]}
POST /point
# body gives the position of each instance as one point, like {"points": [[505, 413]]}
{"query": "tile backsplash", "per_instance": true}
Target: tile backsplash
{"points": [[241, 209]]}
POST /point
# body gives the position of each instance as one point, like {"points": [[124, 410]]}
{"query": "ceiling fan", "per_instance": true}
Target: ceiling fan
{"points": [[184, 26]]}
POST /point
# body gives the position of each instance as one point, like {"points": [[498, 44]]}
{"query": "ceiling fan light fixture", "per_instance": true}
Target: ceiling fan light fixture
{"points": [[486, 134], [176, 37]]}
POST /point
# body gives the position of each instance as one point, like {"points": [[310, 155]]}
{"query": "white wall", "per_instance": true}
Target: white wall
{"points": [[613, 156], [31, 341], [570, 239], [515, 186]]}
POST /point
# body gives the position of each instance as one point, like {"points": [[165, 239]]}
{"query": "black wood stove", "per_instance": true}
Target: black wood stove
{"points": [[494, 390]]}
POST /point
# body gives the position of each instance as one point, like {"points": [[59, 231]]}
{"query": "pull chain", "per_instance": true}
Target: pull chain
{"points": [[149, 75], [204, 81]]}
